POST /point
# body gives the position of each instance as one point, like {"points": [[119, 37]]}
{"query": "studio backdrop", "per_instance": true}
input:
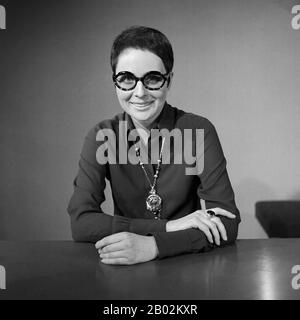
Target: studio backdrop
{"points": [[236, 63]]}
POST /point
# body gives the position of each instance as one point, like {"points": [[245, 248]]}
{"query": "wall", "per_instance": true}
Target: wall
{"points": [[236, 63]]}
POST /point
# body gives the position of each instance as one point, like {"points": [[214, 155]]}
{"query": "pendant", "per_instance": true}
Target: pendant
{"points": [[153, 202]]}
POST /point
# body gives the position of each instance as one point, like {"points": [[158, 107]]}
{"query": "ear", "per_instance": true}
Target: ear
{"points": [[170, 80]]}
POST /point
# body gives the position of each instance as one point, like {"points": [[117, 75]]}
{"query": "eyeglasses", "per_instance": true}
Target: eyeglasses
{"points": [[153, 80]]}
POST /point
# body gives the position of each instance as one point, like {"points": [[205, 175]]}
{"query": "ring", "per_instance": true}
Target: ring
{"points": [[210, 214]]}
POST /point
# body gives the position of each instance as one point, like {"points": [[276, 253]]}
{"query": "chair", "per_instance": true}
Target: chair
{"points": [[279, 218]]}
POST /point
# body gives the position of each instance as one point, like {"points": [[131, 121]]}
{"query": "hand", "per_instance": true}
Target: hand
{"points": [[126, 248], [212, 227]]}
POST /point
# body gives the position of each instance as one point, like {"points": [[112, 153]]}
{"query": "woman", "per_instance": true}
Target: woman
{"points": [[160, 210]]}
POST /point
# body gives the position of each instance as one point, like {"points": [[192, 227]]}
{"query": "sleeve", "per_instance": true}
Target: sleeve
{"points": [[215, 188], [88, 222]]}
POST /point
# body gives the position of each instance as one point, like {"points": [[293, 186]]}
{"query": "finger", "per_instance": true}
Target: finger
{"points": [[213, 229], [223, 212], [201, 213], [220, 227], [112, 255], [115, 261], [116, 237], [203, 227], [113, 247]]}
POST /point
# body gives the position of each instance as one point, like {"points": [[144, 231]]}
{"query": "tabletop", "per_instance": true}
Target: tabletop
{"points": [[260, 269]]}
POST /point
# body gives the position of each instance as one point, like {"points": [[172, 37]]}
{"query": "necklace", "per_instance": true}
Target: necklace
{"points": [[153, 201]]}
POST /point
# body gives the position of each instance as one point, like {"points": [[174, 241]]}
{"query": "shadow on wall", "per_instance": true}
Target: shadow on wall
{"points": [[248, 192], [296, 196]]}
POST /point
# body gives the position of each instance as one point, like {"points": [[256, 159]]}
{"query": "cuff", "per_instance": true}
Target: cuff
{"points": [[179, 242], [172, 243]]}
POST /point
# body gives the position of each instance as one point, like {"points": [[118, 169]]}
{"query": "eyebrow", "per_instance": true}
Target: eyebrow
{"points": [[143, 74]]}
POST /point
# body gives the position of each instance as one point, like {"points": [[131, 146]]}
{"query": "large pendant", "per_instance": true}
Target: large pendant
{"points": [[153, 203]]}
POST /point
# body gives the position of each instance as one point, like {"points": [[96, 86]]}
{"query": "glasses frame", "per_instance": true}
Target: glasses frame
{"points": [[142, 79]]}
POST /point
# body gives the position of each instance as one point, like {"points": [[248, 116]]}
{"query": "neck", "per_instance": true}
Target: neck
{"points": [[140, 125], [144, 131]]}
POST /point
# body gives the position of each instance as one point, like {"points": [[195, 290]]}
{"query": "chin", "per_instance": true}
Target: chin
{"points": [[142, 114], [141, 117]]}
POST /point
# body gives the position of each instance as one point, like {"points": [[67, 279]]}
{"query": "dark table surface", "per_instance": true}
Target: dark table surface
{"points": [[249, 269]]}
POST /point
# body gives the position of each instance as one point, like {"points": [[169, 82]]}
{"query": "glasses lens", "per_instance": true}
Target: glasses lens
{"points": [[154, 81], [126, 81]]}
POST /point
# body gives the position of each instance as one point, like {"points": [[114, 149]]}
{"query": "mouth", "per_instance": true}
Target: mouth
{"points": [[141, 105]]}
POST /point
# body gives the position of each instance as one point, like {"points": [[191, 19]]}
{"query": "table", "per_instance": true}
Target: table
{"points": [[249, 269]]}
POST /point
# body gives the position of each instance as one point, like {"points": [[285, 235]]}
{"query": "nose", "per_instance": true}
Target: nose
{"points": [[140, 90]]}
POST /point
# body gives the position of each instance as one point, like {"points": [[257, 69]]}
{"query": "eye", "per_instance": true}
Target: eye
{"points": [[125, 78], [153, 79]]}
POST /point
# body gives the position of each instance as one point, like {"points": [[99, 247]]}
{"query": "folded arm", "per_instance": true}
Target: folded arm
{"points": [[215, 188], [88, 221]]}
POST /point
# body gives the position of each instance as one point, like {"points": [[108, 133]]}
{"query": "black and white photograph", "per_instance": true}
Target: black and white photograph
{"points": [[149, 153]]}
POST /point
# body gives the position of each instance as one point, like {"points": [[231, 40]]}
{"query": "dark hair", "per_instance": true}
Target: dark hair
{"points": [[144, 38]]}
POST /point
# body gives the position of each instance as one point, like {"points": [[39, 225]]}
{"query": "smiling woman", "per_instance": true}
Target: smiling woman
{"points": [[141, 103], [157, 207]]}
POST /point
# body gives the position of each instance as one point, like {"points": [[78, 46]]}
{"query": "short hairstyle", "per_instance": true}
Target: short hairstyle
{"points": [[144, 38]]}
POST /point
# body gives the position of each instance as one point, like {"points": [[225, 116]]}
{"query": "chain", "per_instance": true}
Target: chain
{"points": [[157, 168]]}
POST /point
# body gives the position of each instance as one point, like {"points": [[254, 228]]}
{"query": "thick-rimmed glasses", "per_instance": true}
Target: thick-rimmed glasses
{"points": [[153, 80]]}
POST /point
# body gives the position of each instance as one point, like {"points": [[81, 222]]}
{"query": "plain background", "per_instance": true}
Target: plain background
{"points": [[236, 63]]}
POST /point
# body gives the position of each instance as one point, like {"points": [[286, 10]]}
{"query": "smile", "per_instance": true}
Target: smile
{"points": [[141, 105]]}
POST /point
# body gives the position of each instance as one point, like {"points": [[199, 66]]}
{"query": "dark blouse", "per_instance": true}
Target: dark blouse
{"points": [[181, 193]]}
